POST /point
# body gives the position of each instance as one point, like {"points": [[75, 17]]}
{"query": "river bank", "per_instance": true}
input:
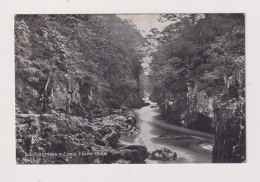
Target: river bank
{"points": [[59, 138]]}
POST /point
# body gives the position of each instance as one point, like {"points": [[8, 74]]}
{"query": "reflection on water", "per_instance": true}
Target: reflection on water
{"points": [[191, 146]]}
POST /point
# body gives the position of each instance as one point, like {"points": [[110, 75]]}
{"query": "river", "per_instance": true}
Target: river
{"points": [[191, 146]]}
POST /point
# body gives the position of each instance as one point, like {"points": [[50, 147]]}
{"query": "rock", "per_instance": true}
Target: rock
{"points": [[230, 136], [130, 119], [87, 128], [54, 112], [105, 130], [113, 139], [164, 154], [133, 130], [129, 127], [112, 156], [146, 104], [124, 108], [130, 115], [98, 112], [119, 118], [49, 133], [125, 153], [122, 161], [96, 161], [18, 110], [154, 106], [134, 153], [116, 111], [20, 153], [109, 122], [100, 142]]}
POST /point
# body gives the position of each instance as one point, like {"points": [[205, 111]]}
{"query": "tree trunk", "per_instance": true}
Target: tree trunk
{"points": [[45, 94], [138, 85], [226, 82]]}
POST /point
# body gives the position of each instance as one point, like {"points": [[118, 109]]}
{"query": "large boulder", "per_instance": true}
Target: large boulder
{"points": [[113, 139], [134, 153], [105, 130], [112, 156], [124, 108]]}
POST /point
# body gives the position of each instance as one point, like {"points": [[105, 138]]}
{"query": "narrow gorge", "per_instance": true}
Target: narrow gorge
{"points": [[124, 89]]}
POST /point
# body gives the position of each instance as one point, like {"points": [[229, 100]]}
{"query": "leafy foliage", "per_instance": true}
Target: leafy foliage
{"points": [[200, 61], [103, 51]]}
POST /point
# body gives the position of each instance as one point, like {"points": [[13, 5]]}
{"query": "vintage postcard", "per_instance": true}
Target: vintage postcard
{"points": [[130, 88]]}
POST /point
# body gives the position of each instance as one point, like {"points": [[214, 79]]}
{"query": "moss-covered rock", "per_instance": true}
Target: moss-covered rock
{"points": [[58, 138]]}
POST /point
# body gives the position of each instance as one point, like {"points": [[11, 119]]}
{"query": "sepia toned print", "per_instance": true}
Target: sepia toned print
{"points": [[130, 89]]}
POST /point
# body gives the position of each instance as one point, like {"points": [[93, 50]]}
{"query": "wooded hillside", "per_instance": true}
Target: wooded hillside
{"points": [[74, 75], [199, 77], [76, 63]]}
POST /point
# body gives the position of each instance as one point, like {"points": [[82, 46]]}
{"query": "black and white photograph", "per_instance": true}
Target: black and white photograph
{"points": [[129, 91], [130, 88]]}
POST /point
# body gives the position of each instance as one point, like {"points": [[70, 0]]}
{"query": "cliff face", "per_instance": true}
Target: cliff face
{"points": [[230, 121], [73, 97], [230, 131], [192, 109]]}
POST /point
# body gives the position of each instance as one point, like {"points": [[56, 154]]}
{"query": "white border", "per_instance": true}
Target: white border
{"points": [[166, 172]]}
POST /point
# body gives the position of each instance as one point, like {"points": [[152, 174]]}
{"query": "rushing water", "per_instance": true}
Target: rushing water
{"points": [[191, 146]]}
